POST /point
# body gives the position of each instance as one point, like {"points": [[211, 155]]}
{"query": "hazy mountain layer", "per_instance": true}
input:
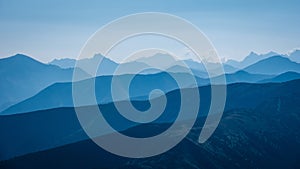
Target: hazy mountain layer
{"points": [[41, 130], [22, 77], [264, 135]]}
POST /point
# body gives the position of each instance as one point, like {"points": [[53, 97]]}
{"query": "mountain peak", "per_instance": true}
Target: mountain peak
{"points": [[98, 56], [20, 56], [64, 63], [294, 51], [271, 53], [294, 55], [252, 53]]}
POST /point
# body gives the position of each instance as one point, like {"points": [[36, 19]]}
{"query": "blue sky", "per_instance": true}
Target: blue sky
{"points": [[57, 29]]}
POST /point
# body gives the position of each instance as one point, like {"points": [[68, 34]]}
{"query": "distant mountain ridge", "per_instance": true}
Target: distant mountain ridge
{"points": [[60, 94], [167, 62], [295, 55], [22, 77], [250, 59], [158, 61], [273, 66], [253, 57], [64, 63], [21, 69]]}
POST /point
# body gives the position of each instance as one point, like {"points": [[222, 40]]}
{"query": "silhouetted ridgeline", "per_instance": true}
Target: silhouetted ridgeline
{"points": [[259, 129]]}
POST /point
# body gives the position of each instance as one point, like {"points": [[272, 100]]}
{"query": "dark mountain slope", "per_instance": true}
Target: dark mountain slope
{"points": [[41, 130], [266, 136]]}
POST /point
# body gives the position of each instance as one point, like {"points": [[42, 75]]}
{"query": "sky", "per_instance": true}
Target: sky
{"points": [[51, 29]]}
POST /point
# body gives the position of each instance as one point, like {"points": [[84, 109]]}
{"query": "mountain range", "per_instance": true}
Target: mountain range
{"points": [[39, 127], [22, 77], [60, 94], [250, 59], [159, 61], [254, 57], [253, 63], [273, 66], [45, 92], [257, 128]]}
